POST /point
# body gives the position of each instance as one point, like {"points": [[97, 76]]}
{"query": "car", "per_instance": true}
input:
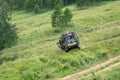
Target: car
{"points": [[68, 41]]}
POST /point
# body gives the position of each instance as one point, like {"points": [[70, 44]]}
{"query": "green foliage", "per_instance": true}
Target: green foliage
{"points": [[19, 3], [57, 3], [7, 33], [27, 4], [102, 54], [109, 75], [57, 17], [36, 9], [67, 16], [88, 2], [61, 19], [98, 31], [4, 12], [32, 4], [47, 4]]}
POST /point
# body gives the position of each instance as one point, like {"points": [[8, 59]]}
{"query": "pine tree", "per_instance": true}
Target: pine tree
{"points": [[36, 9], [57, 2], [27, 5], [67, 16], [60, 18], [56, 17], [7, 33]]}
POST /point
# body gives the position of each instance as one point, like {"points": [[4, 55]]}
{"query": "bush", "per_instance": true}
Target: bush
{"points": [[67, 16], [72, 61], [102, 55], [8, 34], [43, 59], [59, 18], [36, 9], [57, 30]]}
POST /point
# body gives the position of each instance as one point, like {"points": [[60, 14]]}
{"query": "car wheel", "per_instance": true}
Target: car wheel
{"points": [[78, 47], [66, 49]]}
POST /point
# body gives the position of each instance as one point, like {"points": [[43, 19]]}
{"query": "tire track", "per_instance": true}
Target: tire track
{"points": [[73, 76]]}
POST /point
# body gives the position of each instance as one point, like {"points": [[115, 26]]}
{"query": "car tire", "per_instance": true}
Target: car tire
{"points": [[78, 47], [66, 49]]}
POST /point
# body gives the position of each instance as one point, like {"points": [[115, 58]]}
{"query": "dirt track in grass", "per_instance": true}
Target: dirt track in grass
{"points": [[94, 68]]}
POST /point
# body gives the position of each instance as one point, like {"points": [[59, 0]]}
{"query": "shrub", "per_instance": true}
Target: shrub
{"points": [[8, 34], [36, 9], [67, 16], [59, 18], [102, 55]]}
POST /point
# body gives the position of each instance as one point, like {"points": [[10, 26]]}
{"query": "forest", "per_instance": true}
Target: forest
{"points": [[30, 4]]}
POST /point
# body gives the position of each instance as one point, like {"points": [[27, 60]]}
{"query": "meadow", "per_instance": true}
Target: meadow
{"points": [[109, 75], [36, 55]]}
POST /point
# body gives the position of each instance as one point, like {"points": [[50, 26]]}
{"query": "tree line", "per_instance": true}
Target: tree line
{"points": [[88, 2], [42, 4], [8, 34], [30, 4]]}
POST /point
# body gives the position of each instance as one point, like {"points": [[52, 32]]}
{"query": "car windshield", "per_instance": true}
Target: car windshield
{"points": [[70, 39]]}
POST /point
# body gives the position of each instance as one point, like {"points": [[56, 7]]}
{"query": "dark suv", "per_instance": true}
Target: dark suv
{"points": [[68, 41]]}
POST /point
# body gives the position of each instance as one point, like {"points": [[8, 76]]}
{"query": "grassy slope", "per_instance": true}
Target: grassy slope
{"points": [[32, 58], [109, 75]]}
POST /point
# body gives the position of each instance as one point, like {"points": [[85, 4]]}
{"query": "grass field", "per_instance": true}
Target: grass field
{"points": [[109, 75], [36, 56]]}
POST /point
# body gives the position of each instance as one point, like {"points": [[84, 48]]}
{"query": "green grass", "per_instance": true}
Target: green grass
{"points": [[94, 73], [37, 27], [109, 75], [36, 56]]}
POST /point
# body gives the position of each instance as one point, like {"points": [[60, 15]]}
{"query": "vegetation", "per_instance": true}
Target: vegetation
{"points": [[36, 9], [88, 2], [28, 5], [36, 55], [61, 19], [7, 33], [109, 75], [57, 17], [67, 16]]}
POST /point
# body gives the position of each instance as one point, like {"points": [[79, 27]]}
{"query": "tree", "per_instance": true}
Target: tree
{"points": [[27, 5], [7, 33], [66, 2], [57, 2], [20, 3], [61, 19], [67, 16], [57, 16], [88, 2], [36, 9]]}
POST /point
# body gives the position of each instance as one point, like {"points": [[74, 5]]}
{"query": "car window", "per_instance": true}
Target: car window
{"points": [[70, 37]]}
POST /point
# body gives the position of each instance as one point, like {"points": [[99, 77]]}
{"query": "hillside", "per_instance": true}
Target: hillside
{"points": [[36, 56]]}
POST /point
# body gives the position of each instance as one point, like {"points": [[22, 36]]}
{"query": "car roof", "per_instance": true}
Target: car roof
{"points": [[68, 34]]}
